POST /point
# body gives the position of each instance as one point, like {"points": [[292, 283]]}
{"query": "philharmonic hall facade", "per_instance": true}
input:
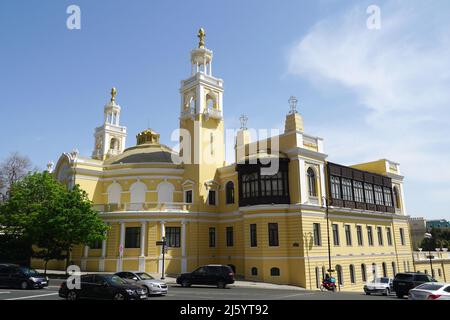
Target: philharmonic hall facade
{"points": [[285, 227]]}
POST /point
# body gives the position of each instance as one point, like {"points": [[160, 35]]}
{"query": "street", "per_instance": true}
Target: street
{"points": [[206, 293]]}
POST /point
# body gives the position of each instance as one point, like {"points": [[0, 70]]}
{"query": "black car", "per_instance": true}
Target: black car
{"points": [[403, 282], [102, 287], [218, 275], [15, 276]]}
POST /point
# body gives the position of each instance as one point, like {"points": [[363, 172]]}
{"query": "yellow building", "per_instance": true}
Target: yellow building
{"points": [[265, 215]]}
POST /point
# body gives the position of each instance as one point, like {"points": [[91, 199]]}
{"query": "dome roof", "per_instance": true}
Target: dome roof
{"points": [[147, 150]]}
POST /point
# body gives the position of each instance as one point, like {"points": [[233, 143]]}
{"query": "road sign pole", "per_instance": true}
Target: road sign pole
{"points": [[163, 256]]}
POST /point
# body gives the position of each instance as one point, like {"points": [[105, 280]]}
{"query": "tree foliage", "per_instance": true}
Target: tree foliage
{"points": [[48, 215], [440, 238], [12, 169]]}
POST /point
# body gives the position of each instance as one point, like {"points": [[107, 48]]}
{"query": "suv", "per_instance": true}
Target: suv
{"points": [[15, 276], [403, 282], [213, 274]]}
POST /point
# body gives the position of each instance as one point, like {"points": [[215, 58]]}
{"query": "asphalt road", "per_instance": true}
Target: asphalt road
{"points": [[206, 293]]}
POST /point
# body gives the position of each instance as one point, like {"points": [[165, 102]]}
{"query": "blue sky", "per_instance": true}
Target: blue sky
{"points": [[370, 94]]}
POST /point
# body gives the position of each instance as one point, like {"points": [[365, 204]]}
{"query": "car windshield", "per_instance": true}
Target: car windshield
{"points": [[145, 276], [116, 280], [429, 286], [403, 276], [29, 272]]}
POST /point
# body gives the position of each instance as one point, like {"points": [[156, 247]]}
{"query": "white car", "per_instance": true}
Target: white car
{"points": [[430, 291], [381, 285], [152, 285]]}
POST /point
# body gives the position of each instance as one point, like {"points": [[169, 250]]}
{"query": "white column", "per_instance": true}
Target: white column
{"points": [[84, 258], [86, 251], [322, 183], [163, 234], [143, 232], [403, 207], [183, 247], [210, 68], [302, 179], [122, 245], [101, 262]]}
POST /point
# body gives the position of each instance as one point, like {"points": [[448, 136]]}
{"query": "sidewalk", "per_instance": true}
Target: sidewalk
{"points": [[58, 274]]}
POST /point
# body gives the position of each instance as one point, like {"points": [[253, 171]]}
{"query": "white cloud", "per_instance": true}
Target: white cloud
{"points": [[400, 76]]}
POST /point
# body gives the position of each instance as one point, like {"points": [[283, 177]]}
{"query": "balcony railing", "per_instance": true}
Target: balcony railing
{"points": [[187, 113], [424, 255], [143, 206], [212, 113]]}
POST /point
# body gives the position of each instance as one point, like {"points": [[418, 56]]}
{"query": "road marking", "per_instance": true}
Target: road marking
{"points": [[4, 292], [293, 295], [36, 296]]}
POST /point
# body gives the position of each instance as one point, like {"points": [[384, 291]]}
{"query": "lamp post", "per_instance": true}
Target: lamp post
{"points": [[325, 199], [429, 236]]}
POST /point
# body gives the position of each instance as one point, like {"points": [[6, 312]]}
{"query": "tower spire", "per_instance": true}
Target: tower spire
{"points": [[113, 94], [201, 36]]}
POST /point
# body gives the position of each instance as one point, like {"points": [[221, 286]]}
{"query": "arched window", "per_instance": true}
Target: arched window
{"points": [[275, 272], [396, 198], [114, 144], [137, 195], [404, 266], [374, 270], [165, 192], [363, 272], [114, 191], [229, 189], [352, 274], [254, 271], [384, 269], [394, 269], [339, 274], [312, 188]]}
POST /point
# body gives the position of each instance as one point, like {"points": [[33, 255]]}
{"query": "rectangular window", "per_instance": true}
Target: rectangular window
{"points": [[402, 236], [335, 187], [97, 244], [347, 189], [370, 235], [389, 236], [335, 234], [316, 231], [358, 191], [188, 196], [173, 236], [359, 235], [380, 236], [132, 237], [368, 192], [348, 235], [388, 197], [273, 234], [212, 237], [230, 239], [379, 195], [212, 197], [253, 239]]}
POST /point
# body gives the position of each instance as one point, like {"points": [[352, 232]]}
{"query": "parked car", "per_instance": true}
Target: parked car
{"points": [[430, 291], [150, 284], [213, 274], [381, 285], [104, 287], [15, 276], [403, 282]]}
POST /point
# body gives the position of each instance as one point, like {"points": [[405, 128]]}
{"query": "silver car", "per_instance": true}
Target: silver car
{"points": [[430, 291], [381, 285], [152, 285]]}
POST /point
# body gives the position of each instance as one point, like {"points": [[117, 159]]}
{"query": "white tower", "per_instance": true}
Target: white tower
{"points": [[110, 137]]}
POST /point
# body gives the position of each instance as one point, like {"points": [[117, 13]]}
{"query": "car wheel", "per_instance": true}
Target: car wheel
{"points": [[72, 295], [386, 292], [368, 293], [221, 285], [185, 283], [24, 285], [146, 290], [119, 296]]}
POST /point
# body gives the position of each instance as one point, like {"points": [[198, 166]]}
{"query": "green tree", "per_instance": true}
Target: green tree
{"points": [[53, 218]]}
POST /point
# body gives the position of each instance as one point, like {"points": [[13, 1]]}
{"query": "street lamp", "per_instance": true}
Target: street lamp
{"points": [[325, 200], [429, 236]]}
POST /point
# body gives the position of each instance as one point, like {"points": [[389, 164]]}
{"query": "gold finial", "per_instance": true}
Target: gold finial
{"points": [[113, 94], [201, 36]]}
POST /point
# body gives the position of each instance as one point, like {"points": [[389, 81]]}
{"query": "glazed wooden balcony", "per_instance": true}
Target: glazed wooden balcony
{"points": [[144, 207]]}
